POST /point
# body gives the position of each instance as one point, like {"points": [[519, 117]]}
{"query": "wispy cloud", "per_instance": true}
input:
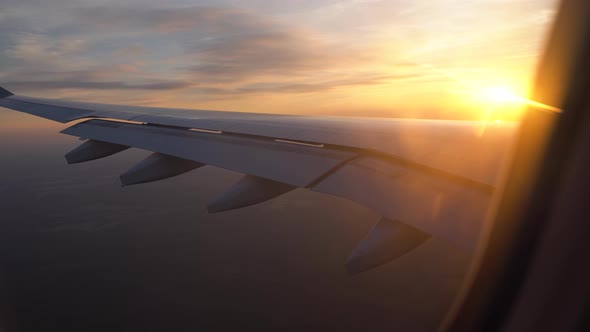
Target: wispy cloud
{"points": [[164, 85], [211, 46], [232, 50]]}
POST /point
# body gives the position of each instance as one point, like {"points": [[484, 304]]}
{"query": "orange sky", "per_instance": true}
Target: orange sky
{"points": [[359, 57]]}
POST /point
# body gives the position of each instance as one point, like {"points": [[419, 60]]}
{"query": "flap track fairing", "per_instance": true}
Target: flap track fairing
{"points": [[91, 150], [156, 167], [249, 190], [387, 240]]}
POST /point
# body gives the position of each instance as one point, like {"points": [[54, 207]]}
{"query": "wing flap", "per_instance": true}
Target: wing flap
{"points": [[440, 204], [287, 163]]}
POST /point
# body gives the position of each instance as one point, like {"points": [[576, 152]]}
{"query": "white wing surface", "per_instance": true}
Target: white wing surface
{"points": [[425, 177]]}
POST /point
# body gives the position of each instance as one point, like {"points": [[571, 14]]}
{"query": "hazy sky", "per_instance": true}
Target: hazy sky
{"points": [[355, 57]]}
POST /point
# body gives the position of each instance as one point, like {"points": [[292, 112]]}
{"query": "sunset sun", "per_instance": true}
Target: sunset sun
{"points": [[501, 95]]}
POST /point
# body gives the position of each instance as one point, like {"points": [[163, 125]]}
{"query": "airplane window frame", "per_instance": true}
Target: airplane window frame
{"points": [[545, 148]]}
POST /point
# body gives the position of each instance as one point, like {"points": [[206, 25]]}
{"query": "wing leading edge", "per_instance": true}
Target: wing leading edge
{"points": [[426, 177]]}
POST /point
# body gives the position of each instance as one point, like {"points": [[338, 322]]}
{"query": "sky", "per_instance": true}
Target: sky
{"points": [[389, 58]]}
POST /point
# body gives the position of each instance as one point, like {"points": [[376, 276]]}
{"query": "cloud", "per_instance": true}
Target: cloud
{"points": [[308, 87], [179, 48], [323, 51], [131, 51], [38, 49], [97, 85], [242, 56]]}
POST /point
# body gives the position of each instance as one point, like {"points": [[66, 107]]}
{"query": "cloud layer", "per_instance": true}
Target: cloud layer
{"points": [[224, 50]]}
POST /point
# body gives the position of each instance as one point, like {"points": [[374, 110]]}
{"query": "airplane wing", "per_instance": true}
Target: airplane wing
{"points": [[425, 177]]}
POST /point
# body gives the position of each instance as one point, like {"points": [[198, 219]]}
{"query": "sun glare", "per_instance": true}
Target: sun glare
{"points": [[502, 95], [501, 103]]}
